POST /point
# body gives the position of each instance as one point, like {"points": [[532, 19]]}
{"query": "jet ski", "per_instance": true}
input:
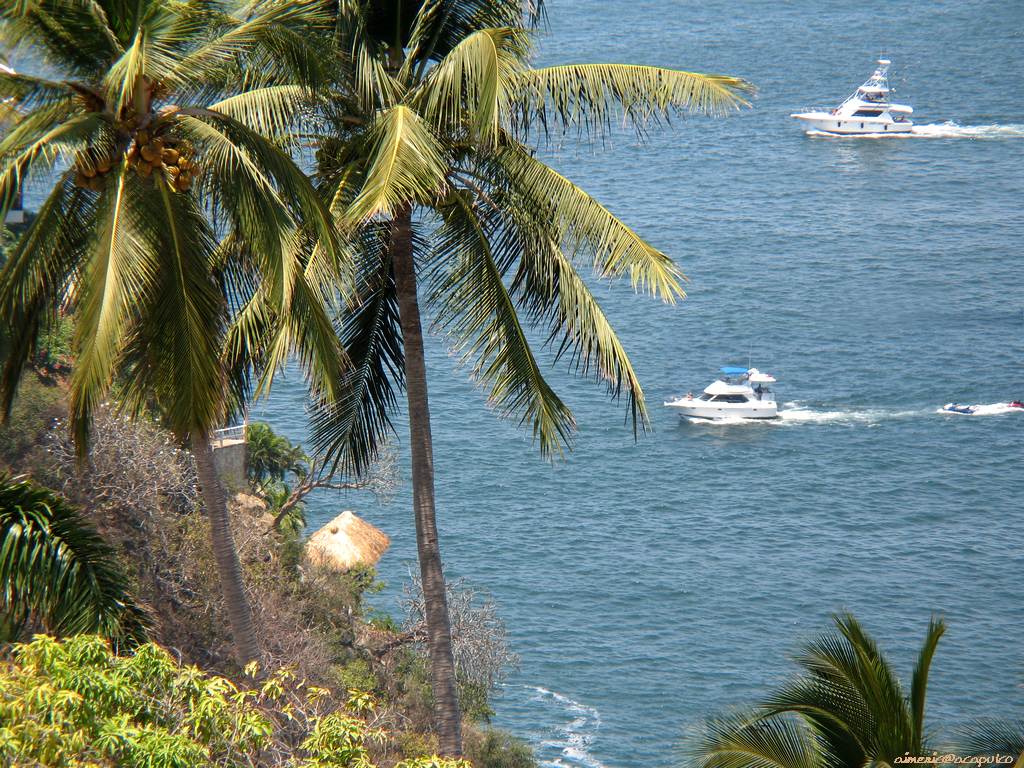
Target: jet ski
{"points": [[967, 410], [1016, 404]]}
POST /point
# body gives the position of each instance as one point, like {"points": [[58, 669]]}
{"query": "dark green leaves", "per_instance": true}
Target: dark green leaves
{"points": [[56, 568]]}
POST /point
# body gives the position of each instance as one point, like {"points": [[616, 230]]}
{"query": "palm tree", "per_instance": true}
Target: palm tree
{"points": [[158, 133], [424, 162], [847, 710], [56, 569]]}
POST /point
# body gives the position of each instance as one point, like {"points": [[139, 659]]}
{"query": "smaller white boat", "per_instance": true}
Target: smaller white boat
{"points": [[867, 111], [740, 393]]}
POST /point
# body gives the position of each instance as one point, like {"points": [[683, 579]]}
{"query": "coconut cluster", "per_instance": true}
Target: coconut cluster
{"points": [[174, 157], [147, 155], [91, 169]]}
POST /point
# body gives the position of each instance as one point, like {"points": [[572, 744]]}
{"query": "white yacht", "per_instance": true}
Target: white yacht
{"points": [[867, 111], [743, 393]]}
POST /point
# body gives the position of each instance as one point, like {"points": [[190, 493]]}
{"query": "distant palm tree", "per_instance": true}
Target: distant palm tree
{"points": [[425, 161], [848, 710], [159, 132], [56, 569]]}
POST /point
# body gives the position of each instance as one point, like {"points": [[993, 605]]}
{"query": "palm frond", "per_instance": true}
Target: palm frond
{"points": [[36, 277], [877, 683], [752, 740], [174, 357], [835, 711], [271, 111], [55, 567], [41, 139], [584, 224], [351, 429], [29, 92], [263, 23], [919, 683], [70, 34], [589, 97], [471, 85], [405, 165], [554, 294], [475, 308], [122, 267]]}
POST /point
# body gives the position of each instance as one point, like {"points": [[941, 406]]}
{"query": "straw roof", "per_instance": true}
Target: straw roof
{"points": [[346, 541]]}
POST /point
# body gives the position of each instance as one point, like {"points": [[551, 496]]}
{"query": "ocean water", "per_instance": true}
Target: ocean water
{"points": [[648, 584]]}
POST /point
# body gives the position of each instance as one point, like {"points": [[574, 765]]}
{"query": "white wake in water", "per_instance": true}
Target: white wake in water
{"points": [[946, 130], [572, 737], [793, 414]]}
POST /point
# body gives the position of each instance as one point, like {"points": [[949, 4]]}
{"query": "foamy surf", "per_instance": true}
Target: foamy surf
{"points": [[570, 739], [946, 130]]}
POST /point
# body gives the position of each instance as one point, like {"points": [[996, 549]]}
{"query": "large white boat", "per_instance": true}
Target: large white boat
{"points": [[867, 111], [740, 393]]}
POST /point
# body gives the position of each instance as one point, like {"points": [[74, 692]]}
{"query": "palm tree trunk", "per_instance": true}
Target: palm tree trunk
{"points": [[228, 568], [447, 718]]}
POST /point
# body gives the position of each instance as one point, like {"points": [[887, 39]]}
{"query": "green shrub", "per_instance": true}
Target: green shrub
{"points": [[357, 675], [491, 748], [75, 704]]}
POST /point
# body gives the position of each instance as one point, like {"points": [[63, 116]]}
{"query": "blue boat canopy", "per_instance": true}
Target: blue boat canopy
{"points": [[733, 370]]}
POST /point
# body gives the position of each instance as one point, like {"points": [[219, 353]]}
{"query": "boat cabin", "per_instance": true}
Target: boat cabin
{"points": [[739, 385]]}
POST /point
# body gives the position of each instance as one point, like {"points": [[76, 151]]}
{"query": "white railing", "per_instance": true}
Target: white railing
{"points": [[236, 432]]}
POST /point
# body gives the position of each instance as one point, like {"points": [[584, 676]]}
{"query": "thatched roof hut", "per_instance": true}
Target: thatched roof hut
{"points": [[346, 541]]}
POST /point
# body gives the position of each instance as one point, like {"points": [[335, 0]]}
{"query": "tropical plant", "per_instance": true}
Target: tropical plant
{"points": [[159, 131], [75, 704], [270, 456], [847, 710], [426, 166], [57, 571]]}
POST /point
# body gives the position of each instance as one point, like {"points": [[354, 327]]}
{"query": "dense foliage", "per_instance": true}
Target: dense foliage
{"points": [[271, 457], [75, 704]]}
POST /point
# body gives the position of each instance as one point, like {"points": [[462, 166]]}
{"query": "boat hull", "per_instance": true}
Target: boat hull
{"points": [[851, 126], [697, 409]]}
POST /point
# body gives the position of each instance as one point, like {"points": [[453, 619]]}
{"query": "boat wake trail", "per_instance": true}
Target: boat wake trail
{"points": [[946, 130], [567, 744], [793, 414]]}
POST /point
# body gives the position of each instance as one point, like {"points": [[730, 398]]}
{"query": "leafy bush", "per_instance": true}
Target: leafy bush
{"points": [[75, 704], [491, 748]]}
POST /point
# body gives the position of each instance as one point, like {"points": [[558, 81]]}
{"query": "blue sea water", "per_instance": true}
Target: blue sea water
{"points": [[649, 584]]}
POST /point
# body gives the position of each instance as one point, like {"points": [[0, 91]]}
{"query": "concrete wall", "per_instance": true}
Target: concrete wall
{"points": [[229, 459]]}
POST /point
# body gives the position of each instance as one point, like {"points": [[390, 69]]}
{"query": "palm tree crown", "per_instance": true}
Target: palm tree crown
{"points": [[156, 133], [175, 232], [438, 100]]}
